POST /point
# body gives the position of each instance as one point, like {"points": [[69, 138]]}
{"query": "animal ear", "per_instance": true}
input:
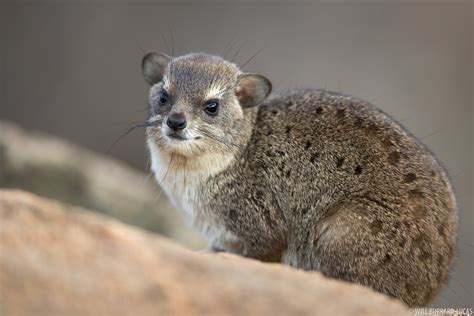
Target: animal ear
{"points": [[252, 89], [153, 66]]}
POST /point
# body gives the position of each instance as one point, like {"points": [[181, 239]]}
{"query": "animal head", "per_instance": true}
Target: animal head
{"points": [[197, 102]]}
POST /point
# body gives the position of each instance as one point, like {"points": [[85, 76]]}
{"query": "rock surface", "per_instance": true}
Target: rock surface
{"points": [[55, 168], [56, 259]]}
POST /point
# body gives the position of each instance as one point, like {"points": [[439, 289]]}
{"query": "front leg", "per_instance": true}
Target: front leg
{"points": [[273, 254], [230, 245], [211, 248]]}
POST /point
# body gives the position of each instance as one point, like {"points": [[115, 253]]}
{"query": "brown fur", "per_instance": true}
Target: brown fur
{"points": [[318, 180]]}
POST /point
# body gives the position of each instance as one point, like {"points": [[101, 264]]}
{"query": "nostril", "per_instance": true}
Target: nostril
{"points": [[181, 124], [176, 121]]}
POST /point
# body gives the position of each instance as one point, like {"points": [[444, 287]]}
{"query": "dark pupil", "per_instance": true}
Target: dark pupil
{"points": [[163, 98], [211, 107]]}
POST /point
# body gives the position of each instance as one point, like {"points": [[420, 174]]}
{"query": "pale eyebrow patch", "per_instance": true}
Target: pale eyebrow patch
{"points": [[215, 91], [166, 82], [166, 78]]}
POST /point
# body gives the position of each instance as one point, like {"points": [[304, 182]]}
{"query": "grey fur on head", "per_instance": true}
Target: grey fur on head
{"points": [[313, 179]]}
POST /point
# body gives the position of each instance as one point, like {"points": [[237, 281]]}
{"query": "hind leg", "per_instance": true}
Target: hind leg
{"points": [[363, 242]]}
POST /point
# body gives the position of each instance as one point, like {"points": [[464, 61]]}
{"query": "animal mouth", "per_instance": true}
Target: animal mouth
{"points": [[180, 137], [177, 136]]}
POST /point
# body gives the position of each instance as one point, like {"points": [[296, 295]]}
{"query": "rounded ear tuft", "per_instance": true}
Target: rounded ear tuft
{"points": [[252, 89], [153, 66]]}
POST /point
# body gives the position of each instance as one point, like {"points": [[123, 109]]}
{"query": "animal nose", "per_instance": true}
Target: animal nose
{"points": [[176, 121]]}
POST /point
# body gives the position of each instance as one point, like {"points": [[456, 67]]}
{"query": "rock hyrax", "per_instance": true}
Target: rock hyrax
{"points": [[313, 179]]}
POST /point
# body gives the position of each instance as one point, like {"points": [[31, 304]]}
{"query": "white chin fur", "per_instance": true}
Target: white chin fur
{"points": [[179, 146]]}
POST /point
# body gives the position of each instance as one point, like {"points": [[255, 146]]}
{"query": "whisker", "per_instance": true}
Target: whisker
{"points": [[119, 138], [166, 43], [251, 58], [213, 137], [140, 47], [238, 51], [158, 196], [229, 48], [131, 128], [184, 173], [147, 163], [172, 42], [167, 170], [435, 132]]}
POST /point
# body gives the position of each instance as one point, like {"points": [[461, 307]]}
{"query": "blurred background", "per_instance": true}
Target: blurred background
{"points": [[72, 69]]}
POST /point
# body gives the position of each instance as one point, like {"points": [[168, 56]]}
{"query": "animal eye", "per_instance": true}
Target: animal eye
{"points": [[163, 97], [211, 107]]}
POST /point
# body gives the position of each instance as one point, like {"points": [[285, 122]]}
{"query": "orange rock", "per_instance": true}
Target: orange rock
{"points": [[57, 259]]}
